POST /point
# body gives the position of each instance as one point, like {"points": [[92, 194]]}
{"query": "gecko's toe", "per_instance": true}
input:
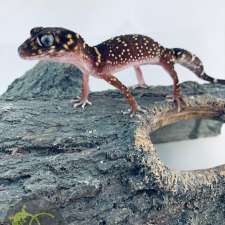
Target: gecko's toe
{"points": [[86, 103], [141, 110], [127, 112], [82, 103], [77, 99], [170, 98]]}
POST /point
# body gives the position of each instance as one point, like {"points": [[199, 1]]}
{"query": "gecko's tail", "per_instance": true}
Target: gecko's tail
{"points": [[193, 63]]}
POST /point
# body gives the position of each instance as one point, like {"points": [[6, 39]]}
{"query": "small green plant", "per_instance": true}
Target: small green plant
{"points": [[23, 216]]}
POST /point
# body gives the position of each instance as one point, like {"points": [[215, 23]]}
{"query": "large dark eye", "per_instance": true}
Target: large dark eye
{"points": [[46, 40]]}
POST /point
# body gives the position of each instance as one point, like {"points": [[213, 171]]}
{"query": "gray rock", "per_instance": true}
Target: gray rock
{"points": [[46, 80], [97, 166]]}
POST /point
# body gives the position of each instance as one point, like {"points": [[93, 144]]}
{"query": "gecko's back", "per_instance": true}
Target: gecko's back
{"points": [[127, 49]]}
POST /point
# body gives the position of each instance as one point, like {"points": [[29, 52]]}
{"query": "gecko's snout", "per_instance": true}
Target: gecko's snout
{"points": [[21, 51], [26, 51]]}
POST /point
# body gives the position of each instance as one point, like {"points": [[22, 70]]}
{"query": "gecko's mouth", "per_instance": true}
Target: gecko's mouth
{"points": [[35, 57], [23, 53]]}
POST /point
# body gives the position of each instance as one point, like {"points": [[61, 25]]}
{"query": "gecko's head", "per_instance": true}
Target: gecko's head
{"points": [[49, 42]]}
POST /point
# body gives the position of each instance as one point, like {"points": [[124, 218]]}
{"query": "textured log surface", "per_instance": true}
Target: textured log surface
{"points": [[97, 166]]}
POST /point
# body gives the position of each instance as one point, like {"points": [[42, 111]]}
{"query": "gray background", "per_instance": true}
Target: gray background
{"points": [[198, 26]]}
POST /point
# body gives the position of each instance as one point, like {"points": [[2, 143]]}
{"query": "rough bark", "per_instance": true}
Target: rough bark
{"points": [[97, 166]]}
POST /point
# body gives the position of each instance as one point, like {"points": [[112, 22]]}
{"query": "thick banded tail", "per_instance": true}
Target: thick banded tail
{"points": [[193, 63]]}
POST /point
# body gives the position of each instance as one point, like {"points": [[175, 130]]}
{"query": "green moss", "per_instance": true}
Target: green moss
{"points": [[21, 217]]}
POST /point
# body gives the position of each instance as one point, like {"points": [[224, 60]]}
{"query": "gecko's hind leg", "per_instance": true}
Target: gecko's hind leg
{"points": [[140, 78], [177, 97]]}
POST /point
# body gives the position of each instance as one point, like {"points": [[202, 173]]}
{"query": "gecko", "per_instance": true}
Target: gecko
{"points": [[113, 55]]}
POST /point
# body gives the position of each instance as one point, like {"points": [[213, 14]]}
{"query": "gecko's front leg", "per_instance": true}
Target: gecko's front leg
{"points": [[83, 100]]}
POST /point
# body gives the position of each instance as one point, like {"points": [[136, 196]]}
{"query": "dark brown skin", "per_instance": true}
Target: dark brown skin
{"points": [[113, 55]]}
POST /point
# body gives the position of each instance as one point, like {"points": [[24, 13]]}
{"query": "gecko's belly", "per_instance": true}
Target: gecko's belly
{"points": [[110, 68]]}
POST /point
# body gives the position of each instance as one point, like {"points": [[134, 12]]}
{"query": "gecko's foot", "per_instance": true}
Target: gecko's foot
{"points": [[132, 113], [139, 86], [75, 100], [178, 101], [141, 110], [80, 102]]}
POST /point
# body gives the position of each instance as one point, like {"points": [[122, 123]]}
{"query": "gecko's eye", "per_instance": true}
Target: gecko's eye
{"points": [[46, 40]]}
